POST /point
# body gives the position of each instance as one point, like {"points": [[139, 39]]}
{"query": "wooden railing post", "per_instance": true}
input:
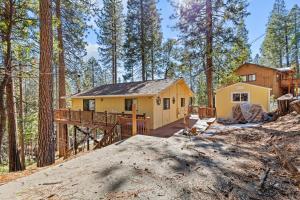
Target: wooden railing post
{"points": [[92, 116], [88, 139], [75, 140], [134, 124], [80, 116], [69, 115], [105, 118]]}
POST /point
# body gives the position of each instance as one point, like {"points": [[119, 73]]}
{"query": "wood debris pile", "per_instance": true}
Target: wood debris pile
{"points": [[273, 170]]}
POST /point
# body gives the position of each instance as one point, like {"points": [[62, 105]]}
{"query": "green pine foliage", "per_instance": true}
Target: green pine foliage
{"points": [[143, 40], [110, 37]]}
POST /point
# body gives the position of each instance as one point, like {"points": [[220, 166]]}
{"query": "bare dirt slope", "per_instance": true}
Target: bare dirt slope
{"points": [[230, 165]]}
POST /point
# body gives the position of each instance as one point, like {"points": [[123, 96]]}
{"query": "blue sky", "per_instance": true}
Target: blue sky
{"points": [[256, 22]]}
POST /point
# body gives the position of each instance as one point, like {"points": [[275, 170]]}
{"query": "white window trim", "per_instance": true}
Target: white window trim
{"points": [[231, 97]]}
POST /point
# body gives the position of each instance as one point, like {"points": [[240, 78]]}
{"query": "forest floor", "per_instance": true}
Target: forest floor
{"points": [[260, 162]]}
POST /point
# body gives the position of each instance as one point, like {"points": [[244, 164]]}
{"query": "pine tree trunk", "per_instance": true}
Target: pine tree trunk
{"points": [[296, 46], [115, 45], [113, 60], [152, 62], [13, 157], [46, 148], [21, 120], [62, 128], [209, 51], [14, 162], [2, 116], [143, 56], [287, 46], [280, 58]]}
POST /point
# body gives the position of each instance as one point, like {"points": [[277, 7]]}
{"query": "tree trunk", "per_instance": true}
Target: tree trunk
{"points": [[115, 45], [287, 46], [296, 46], [13, 157], [14, 162], [152, 62], [62, 128], [142, 26], [209, 51], [21, 120], [46, 146]]}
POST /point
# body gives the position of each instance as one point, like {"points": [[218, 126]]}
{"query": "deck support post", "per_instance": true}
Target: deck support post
{"points": [[88, 139], [75, 139], [134, 124]]}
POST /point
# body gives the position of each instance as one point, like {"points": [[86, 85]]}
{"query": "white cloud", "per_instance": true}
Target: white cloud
{"points": [[92, 50]]}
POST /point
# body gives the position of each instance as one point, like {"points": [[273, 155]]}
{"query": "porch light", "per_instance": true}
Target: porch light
{"points": [[173, 100], [158, 100]]}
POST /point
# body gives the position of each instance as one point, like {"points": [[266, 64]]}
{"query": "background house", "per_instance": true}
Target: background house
{"points": [[280, 80], [164, 101], [238, 93]]}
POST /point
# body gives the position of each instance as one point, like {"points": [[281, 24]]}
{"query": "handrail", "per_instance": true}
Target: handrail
{"points": [[109, 138]]}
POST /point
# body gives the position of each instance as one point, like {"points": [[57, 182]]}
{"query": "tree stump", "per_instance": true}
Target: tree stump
{"points": [[284, 103]]}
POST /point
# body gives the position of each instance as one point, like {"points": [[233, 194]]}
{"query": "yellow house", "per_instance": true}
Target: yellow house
{"points": [[229, 96], [164, 101]]}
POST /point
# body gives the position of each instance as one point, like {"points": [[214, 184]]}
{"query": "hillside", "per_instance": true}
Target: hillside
{"points": [[237, 164]]}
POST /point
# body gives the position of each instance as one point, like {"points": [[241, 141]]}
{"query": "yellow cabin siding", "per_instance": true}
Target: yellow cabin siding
{"points": [[176, 112], [146, 104], [77, 104], [257, 95]]}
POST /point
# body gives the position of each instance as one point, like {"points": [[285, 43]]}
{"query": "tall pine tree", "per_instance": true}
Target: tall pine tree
{"points": [[110, 23], [276, 43], [294, 18], [143, 39]]}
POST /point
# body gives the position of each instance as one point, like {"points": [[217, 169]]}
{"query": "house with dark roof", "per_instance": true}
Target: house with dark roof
{"points": [[163, 101], [280, 80]]}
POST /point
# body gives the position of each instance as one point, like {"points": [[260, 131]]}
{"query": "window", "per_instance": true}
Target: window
{"points": [[244, 78], [128, 104], [240, 97], [252, 77], [248, 78], [88, 104], [166, 102], [182, 102], [191, 101]]}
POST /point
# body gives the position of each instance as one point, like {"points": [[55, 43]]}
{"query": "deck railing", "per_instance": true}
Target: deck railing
{"points": [[103, 119], [143, 126], [203, 112]]}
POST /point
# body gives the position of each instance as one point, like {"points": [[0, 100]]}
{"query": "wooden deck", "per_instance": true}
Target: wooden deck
{"points": [[172, 128], [102, 120]]}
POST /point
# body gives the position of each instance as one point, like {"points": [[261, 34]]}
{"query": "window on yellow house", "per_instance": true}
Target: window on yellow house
{"points": [[88, 104], [182, 102], [166, 102], [128, 104], [240, 97]]}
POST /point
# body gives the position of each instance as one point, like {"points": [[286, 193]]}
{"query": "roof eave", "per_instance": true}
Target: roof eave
{"points": [[109, 96]]}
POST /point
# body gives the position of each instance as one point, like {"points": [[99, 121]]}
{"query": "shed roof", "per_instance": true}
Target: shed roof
{"points": [[141, 88], [242, 83]]}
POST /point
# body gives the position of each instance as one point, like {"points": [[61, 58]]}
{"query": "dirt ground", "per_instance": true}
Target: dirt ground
{"points": [[261, 162]]}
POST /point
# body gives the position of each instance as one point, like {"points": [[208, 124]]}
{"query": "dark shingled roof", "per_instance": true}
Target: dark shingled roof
{"points": [[133, 88]]}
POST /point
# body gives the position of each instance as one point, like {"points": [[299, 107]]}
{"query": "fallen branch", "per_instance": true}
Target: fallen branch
{"points": [[264, 178], [52, 183]]}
